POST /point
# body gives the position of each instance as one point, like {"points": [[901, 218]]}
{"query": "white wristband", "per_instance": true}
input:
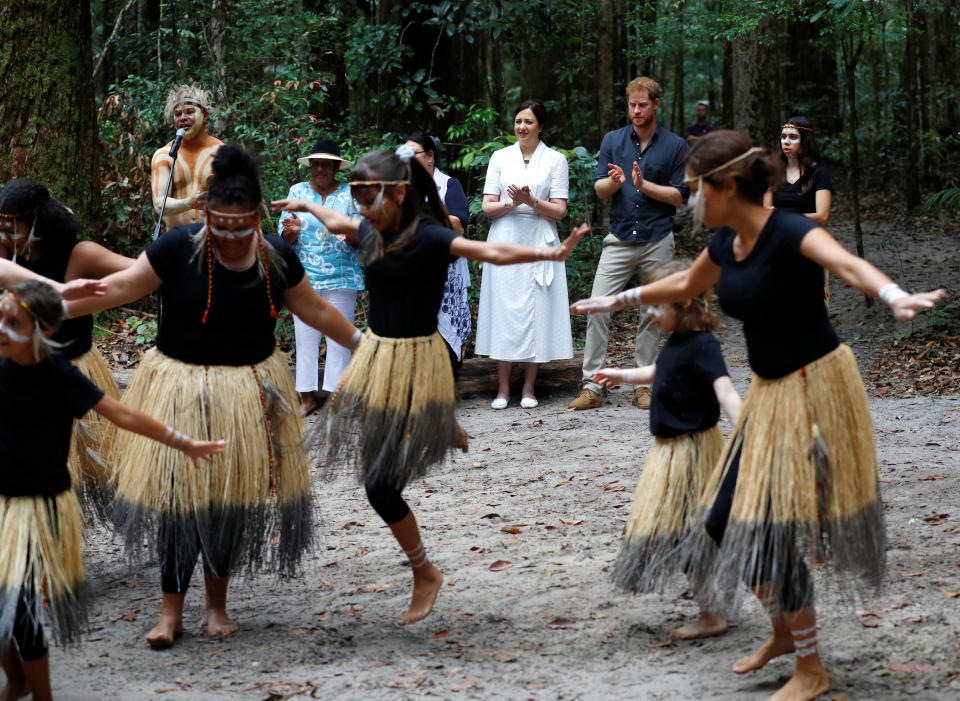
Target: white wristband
{"points": [[629, 298], [891, 292], [355, 339]]}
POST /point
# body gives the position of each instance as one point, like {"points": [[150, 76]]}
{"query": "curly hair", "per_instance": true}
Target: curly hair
{"points": [[701, 314]]}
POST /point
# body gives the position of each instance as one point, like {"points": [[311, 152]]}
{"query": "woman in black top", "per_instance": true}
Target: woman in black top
{"points": [[216, 370], [806, 184], [41, 551], [393, 413], [43, 236], [801, 470]]}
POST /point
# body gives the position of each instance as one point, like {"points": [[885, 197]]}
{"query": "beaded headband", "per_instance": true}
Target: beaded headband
{"points": [[788, 125], [365, 183], [8, 293], [231, 215]]}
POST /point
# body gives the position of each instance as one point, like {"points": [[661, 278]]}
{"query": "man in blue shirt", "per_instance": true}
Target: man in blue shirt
{"points": [[641, 168]]}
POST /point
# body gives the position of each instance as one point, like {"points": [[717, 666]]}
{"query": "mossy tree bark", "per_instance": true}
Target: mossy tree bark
{"points": [[48, 127]]}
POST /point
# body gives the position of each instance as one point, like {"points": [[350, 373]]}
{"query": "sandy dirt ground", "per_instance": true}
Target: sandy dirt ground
{"points": [[525, 528]]}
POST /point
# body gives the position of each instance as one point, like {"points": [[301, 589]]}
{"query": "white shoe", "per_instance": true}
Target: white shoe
{"points": [[498, 403], [529, 403]]}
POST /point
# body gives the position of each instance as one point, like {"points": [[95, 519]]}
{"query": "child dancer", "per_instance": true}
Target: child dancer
{"points": [[41, 551], [393, 412], [690, 384]]}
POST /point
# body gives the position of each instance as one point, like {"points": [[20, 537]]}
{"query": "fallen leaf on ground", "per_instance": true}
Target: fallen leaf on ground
{"points": [[466, 685], [558, 623], [503, 656], [492, 515], [501, 565], [511, 529], [441, 634], [901, 667], [951, 594], [572, 522], [352, 611], [921, 668]]}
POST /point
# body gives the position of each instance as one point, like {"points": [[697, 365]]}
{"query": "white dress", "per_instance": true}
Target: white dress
{"points": [[524, 313]]}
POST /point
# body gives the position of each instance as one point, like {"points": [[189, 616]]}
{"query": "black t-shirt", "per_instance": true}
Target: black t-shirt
{"points": [[76, 334], [789, 195], [683, 399], [38, 404], [406, 286], [239, 328], [777, 293]]}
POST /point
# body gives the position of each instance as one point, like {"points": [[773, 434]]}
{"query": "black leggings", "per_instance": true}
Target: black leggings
{"points": [[179, 544], [387, 502], [27, 630], [796, 587]]}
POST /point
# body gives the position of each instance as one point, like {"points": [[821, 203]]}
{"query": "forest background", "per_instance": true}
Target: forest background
{"points": [[84, 84]]}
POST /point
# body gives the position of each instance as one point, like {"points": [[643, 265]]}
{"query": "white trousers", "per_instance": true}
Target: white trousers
{"points": [[308, 345]]}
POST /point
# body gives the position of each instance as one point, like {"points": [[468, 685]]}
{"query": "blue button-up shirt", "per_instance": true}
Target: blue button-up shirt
{"points": [[634, 216]]}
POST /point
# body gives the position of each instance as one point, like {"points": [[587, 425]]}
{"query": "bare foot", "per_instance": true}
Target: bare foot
{"points": [[803, 686], [14, 690], [460, 438], [706, 626], [219, 624], [165, 632], [775, 646], [427, 581]]}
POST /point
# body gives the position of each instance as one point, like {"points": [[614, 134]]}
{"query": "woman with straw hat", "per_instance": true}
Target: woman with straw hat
{"points": [[216, 370], [331, 265], [797, 482], [393, 413]]}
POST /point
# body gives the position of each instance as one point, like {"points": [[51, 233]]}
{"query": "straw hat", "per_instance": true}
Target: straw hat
{"points": [[324, 148]]}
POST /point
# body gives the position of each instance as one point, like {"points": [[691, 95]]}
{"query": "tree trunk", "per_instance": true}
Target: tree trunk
{"points": [[852, 49], [756, 94], [809, 53], [606, 98], [48, 127], [726, 89], [910, 109], [218, 49], [676, 116]]}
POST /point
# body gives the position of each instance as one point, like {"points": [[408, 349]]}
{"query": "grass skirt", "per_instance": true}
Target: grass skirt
{"points": [[89, 474], [41, 551], [392, 416], [672, 490], [255, 496], [807, 486]]}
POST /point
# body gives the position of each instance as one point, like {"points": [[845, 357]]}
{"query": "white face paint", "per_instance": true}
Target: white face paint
{"points": [[227, 234], [790, 142], [699, 207], [12, 335]]}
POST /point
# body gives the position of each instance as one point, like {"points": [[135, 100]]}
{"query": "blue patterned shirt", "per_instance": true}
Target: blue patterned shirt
{"points": [[330, 263]]}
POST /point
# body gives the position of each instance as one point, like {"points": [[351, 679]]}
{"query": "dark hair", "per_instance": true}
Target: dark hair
{"points": [[29, 200], [539, 111], [422, 198], [46, 304], [809, 152], [426, 142], [753, 175], [235, 178], [702, 314]]}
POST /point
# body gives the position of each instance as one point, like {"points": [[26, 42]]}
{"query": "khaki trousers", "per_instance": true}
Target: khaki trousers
{"points": [[619, 262]]}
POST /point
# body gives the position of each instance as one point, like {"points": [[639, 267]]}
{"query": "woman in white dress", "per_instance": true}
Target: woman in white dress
{"points": [[524, 315]]}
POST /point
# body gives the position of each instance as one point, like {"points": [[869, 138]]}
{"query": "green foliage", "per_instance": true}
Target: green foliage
{"points": [[144, 330]]}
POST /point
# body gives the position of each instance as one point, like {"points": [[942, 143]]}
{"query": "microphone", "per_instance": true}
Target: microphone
{"points": [[175, 146]]}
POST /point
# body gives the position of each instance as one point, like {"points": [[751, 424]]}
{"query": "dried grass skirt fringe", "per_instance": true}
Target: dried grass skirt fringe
{"points": [[807, 487], [41, 550], [392, 416], [254, 500], [89, 473], [673, 487]]}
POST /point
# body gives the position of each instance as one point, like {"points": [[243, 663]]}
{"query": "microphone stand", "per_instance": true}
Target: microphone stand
{"points": [[174, 149]]}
